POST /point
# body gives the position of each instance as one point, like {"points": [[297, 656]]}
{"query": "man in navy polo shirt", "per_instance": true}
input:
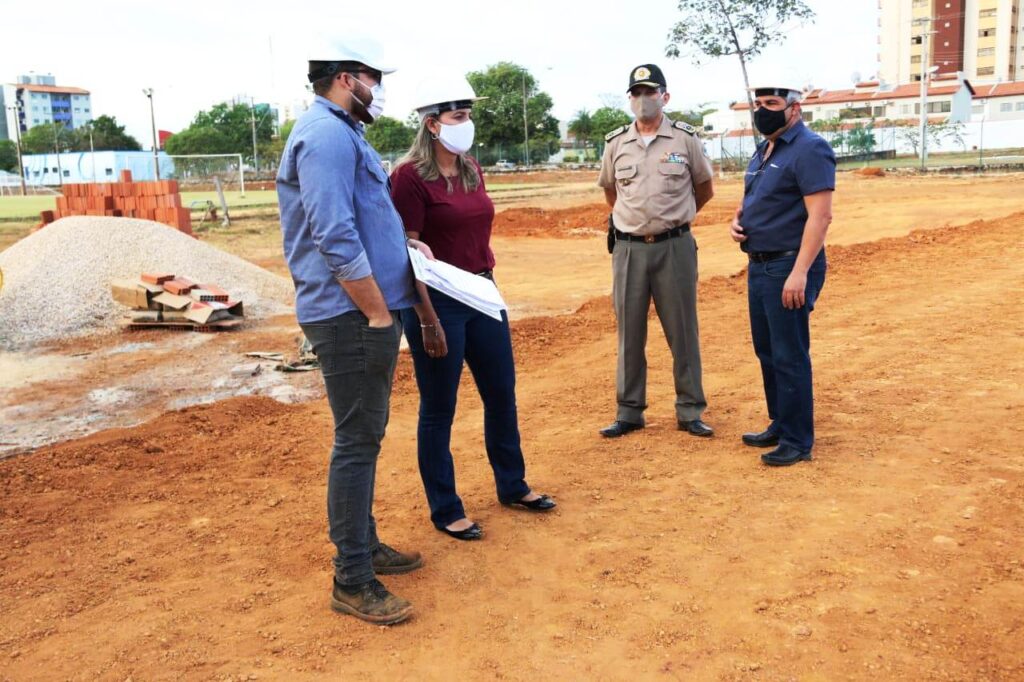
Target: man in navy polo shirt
{"points": [[781, 225]]}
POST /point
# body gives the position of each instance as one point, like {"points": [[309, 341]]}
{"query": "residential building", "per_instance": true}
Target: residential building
{"points": [[983, 39], [37, 99], [955, 99]]}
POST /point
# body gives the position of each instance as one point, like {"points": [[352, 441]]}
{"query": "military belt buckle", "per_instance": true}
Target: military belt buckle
{"points": [[648, 239]]}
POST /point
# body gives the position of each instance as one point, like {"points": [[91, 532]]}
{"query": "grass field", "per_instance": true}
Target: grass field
{"points": [[19, 208]]}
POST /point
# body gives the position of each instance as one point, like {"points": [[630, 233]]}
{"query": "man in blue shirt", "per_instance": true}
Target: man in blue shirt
{"points": [[346, 249], [781, 225]]}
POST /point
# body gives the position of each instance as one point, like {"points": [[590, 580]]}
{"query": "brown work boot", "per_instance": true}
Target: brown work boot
{"points": [[389, 561], [371, 602]]}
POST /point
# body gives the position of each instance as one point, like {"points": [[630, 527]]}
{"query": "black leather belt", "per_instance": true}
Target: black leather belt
{"points": [[652, 238], [489, 274], [765, 256]]}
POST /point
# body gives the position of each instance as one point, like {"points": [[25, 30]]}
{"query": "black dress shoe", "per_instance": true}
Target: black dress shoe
{"points": [[765, 439], [784, 455], [474, 532], [697, 427], [619, 428], [541, 504]]}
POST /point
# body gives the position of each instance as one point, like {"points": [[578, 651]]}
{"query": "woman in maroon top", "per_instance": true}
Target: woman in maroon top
{"points": [[439, 192]]}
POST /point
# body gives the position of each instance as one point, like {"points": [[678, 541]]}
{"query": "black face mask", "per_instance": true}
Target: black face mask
{"points": [[768, 121]]}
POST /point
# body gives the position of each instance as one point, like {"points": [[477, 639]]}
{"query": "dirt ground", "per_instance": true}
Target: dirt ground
{"points": [[194, 545]]}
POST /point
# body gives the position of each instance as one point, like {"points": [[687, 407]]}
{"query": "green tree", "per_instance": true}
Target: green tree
{"points": [[388, 135], [46, 137], [582, 126], [201, 140], [286, 129], [225, 129], [721, 28], [861, 139], [694, 117], [107, 134], [8, 156], [499, 119]]}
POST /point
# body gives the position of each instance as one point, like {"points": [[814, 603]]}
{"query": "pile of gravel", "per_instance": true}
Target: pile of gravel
{"points": [[57, 280]]}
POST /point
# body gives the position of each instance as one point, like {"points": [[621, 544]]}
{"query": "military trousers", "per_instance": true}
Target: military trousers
{"points": [[665, 272]]}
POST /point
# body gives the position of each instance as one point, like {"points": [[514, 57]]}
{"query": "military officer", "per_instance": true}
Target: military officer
{"points": [[655, 178], [781, 225]]}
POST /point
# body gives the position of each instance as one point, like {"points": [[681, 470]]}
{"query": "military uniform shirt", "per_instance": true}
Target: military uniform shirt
{"points": [[654, 183]]}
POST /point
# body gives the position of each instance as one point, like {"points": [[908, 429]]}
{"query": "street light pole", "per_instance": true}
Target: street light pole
{"points": [[148, 92], [17, 137], [925, 71], [526, 127], [255, 156]]}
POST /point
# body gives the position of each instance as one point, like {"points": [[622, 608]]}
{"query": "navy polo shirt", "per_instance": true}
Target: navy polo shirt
{"points": [[774, 214]]}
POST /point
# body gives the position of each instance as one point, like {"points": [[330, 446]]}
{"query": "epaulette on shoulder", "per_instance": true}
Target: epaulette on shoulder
{"points": [[615, 133], [681, 125]]}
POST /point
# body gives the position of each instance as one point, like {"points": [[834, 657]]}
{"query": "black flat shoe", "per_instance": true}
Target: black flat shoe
{"points": [[784, 455], [765, 439], [619, 428], [541, 504], [474, 532], [696, 427]]}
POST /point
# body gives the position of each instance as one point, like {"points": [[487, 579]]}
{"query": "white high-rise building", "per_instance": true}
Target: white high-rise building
{"points": [[37, 99], [983, 39]]}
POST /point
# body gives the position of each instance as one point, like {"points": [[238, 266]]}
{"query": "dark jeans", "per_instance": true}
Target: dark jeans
{"points": [[486, 346], [358, 365], [782, 342]]}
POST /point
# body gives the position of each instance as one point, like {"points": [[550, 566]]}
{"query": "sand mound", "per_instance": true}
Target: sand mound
{"points": [[871, 172], [56, 281]]}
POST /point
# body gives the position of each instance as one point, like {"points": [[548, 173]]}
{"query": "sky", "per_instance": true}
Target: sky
{"points": [[195, 54]]}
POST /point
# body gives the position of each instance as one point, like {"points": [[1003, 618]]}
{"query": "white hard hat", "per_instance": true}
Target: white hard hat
{"points": [[327, 59], [784, 90], [435, 95]]}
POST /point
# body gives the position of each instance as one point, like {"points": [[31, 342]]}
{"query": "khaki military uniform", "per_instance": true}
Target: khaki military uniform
{"points": [[654, 184]]}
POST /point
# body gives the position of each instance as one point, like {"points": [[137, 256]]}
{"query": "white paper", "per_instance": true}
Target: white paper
{"points": [[475, 291]]}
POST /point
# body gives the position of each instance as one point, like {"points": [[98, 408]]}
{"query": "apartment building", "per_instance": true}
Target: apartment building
{"points": [[37, 99]]}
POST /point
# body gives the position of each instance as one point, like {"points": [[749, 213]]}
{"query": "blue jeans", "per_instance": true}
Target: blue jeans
{"points": [[358, 366], [782, 342], [485, 344]]}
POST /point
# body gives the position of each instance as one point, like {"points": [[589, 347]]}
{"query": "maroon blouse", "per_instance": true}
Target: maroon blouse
{"points": [[456, 226]]}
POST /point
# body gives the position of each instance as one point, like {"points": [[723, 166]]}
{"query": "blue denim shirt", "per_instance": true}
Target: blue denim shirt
{"points": [[774, 214], [337, 218]]}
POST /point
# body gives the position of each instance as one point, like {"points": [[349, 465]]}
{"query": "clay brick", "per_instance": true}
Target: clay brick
{"points": [[46, 217], [156, 277], [172, 187], [179, 286]]}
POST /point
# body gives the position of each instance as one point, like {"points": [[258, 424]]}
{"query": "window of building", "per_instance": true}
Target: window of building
{"points": [[1020, 106], [878, 112], [986, 51], [935, 108], [67, 174], [109, 171], [916, 40], [920, 3], [915, 59], [986, 32], [54, 170], [807, 116], [978, 109], [987, 71], [987, 13], [1005, 107], [905, 108]]}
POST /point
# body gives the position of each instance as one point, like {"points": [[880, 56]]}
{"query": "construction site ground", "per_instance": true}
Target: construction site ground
{"points": [[185, 536]]}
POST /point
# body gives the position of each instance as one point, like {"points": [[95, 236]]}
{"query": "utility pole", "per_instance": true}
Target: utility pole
{"points": [[925, 70], [92, 152], [148, 92], [526, 127], [56, 148], [255, 156], [17, 136]]}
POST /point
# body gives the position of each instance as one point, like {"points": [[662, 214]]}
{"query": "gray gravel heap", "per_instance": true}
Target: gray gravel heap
{"points": [[57, 280]]}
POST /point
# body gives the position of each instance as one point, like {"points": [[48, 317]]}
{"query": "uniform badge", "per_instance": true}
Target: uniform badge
{"points": [[673, 157], [642, 73]]}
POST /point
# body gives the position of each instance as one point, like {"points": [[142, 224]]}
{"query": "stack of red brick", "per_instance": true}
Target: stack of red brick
{"points": [[159, 201], [163, 300]]}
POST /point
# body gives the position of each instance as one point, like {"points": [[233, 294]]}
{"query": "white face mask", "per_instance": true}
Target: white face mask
{"points": [[646, 108], [376, 106], [458, 139]]}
